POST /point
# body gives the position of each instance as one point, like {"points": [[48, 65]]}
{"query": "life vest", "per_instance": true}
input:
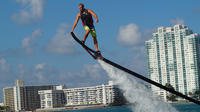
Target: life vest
{"points": [[86, 18]]}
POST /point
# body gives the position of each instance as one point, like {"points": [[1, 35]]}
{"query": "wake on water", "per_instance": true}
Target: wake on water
{"points": [[136, 92]]}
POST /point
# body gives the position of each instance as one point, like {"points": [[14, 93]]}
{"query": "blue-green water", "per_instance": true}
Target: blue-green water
{"points": [[179, 107], [187, 107]]}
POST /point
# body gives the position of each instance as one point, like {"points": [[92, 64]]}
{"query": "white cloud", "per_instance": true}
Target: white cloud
{"points": [[138, 52], [129, 35], [40, 76], [32, 12], [6, 75], [61, 43], [177, 21], [93, 71], [40, 66], [37, 74], [138, 60], [44, 74], [4, 66], [91, 74], [29, 42]]}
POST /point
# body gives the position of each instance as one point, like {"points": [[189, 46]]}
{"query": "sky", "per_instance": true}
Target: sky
{"points": [[36, 46]]}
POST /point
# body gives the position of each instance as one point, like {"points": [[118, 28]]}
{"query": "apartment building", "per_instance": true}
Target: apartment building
{"points": [[173, 58], [102, 94]]}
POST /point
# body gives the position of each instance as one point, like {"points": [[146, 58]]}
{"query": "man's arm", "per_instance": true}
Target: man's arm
{"points": [[91, 12], [76, 21]]}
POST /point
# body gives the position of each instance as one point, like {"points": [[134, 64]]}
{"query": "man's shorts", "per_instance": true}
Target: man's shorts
{"points": [[91, 28]]}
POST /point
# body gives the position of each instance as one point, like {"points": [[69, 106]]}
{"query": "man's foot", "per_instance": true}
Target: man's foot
{"points": [[98, 54], [83, 41]]}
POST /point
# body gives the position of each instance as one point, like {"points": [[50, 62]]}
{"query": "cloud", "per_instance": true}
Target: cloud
{"points": [[37, 74], [27, 46], [6, 75], [138, 61], [129, 35], [177, 21], [14, 52], [61, 43], [42, 73], [90, 75], [4, 66], [147, 34], [40, 66], [134, 38], [32, 12], [92, 71], [29, 42]]}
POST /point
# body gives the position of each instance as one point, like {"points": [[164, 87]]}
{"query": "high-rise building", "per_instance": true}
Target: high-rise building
{"points": [[13, 96], [173, 57], [19, 98], [8, 97], [22, 97]]}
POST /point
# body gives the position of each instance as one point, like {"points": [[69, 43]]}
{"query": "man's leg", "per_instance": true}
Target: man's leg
{"points": [[94, 36], [86, 35], [95, 43], [98, 54], [87, 31]]}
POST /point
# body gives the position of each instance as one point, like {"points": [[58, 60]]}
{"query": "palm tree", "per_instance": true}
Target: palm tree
{"points": [[170, 96], [196, 94]]}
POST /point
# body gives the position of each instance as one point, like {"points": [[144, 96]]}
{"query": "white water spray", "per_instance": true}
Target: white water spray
{"points": [[136, 92]]}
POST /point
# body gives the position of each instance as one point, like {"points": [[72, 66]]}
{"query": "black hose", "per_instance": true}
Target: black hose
{"points": [[150, 81]]}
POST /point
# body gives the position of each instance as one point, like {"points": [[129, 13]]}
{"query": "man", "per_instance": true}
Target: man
{"points": [[87, 21]]}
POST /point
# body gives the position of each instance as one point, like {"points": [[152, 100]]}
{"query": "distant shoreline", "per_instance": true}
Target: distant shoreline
{"points": [[73, 108], [82, 107]]}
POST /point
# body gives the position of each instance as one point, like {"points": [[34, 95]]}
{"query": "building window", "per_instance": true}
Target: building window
{"points": [[42, 97], [160, 30], [49, 103], [48, 95]]}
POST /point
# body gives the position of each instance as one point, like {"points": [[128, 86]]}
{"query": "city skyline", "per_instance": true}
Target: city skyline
{"points": [[29, 98], [22, 97], [36, 45]]}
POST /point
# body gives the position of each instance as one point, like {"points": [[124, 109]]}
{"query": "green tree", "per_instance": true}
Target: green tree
{"points": [[5, 108], [190, 93], [1, 108], [170, 96], [196, 95]]}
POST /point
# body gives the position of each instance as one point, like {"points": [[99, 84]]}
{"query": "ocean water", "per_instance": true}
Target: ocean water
{"points": [[178, 107], [187, 107]]}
